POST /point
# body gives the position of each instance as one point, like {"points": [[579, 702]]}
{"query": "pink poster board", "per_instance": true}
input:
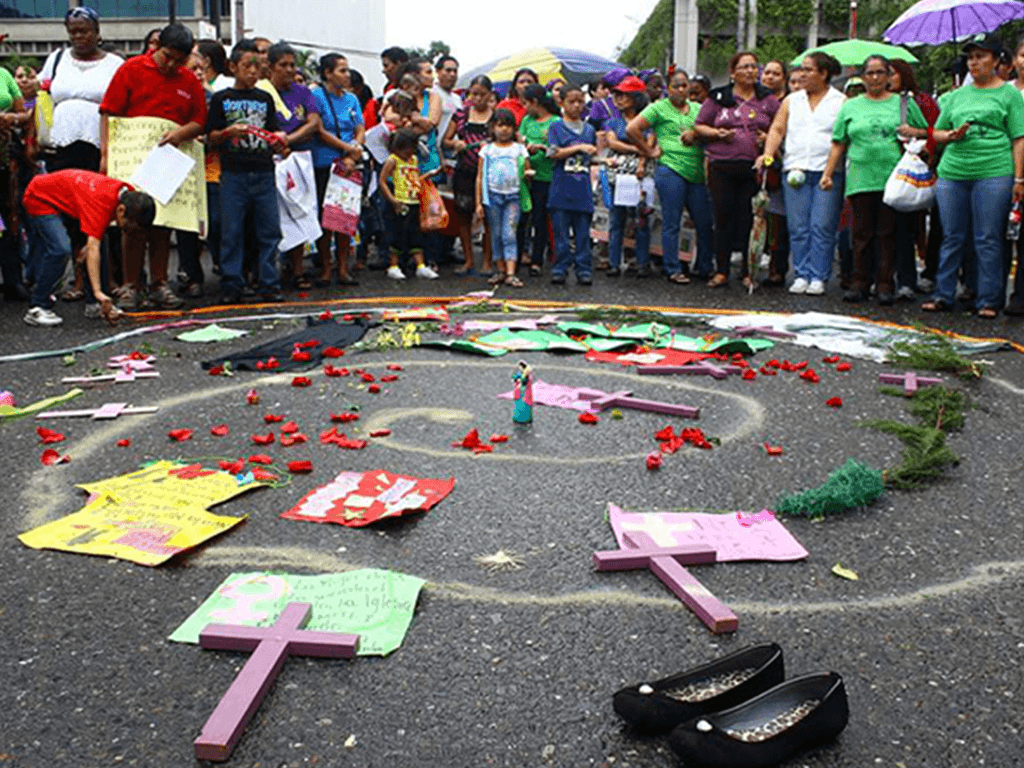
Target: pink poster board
{"points": [[735, 537]]}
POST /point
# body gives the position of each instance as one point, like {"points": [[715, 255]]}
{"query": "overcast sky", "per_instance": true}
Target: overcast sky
{"points": [[597, 26]]}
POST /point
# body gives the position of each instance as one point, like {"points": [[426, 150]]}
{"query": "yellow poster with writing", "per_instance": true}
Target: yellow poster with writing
{"points": [[130, 140], [146, 517]]}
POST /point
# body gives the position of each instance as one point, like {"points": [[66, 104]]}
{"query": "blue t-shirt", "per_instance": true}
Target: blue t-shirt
{"points": [[349, 117], [570, 180]]}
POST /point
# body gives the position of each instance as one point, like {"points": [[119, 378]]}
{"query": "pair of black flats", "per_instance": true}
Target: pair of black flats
{"points": [[739, 711]]}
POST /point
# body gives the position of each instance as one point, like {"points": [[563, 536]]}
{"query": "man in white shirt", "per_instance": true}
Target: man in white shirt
{"points": [[446, 69]]}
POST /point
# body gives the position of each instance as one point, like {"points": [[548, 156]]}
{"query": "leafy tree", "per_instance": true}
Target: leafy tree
{"points": [[436, 48]]}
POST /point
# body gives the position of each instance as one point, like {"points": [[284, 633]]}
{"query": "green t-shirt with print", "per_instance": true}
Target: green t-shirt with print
{"points": [[996, 116], [868, 128], [668, 123], [9, 90], [536, 132]]}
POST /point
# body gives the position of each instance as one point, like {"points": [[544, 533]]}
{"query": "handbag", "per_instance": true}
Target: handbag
{"points": [[911, 185], [43, 114], [433, 214]]}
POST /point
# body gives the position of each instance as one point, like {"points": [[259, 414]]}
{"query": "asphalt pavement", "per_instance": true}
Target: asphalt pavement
{"points": [[517, 667]]}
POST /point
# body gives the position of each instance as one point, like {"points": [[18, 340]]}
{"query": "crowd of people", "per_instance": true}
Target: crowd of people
{"points": [[522, 168]]}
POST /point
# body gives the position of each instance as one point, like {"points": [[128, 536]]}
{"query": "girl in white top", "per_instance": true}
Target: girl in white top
{"points": [[498, 180], [78, 77], [805, 123]]}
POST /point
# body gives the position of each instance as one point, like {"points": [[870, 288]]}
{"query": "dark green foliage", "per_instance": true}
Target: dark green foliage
{"points": [[852, 485], [934, 353], [940, 407], [924, 458]]}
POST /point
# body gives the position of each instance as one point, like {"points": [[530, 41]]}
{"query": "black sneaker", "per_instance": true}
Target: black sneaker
{"points": [[588, 280], [558, 279]]}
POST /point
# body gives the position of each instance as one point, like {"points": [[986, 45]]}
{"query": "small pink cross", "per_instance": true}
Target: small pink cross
{"points": [[696, 368], [911, 381], [601, 401]]}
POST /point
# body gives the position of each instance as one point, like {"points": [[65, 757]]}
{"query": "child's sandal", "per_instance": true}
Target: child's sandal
{"points": [[514, 281]]}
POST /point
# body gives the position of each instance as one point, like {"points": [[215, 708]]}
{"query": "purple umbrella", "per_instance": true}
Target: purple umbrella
{"points": [[931, 22]]}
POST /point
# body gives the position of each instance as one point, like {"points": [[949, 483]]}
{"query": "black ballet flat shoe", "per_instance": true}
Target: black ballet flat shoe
{"points": [[799, 714], [660, 706]]}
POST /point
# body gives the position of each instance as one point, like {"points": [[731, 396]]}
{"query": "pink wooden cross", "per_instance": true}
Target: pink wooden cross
{"points": [[122, 376], [696, 368], [270, 647], [761, 330], [602, 401], [667, 564], [911, 381], [108, 411]]}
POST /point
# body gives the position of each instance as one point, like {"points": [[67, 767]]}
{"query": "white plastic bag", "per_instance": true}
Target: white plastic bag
{"points": [[911, 185]]}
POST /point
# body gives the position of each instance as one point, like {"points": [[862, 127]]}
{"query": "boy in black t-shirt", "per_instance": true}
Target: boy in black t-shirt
{"points": [[243, 124]]}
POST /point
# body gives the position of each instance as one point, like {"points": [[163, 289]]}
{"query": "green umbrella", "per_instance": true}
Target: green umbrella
{"points": [[851, 53]]}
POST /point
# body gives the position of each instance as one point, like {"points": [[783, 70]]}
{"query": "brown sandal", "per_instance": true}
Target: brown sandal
{"points": [[679, 278], [718, 280]]}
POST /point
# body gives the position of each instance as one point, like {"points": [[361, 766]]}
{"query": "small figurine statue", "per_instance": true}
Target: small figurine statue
{"points": [[522, 408]]}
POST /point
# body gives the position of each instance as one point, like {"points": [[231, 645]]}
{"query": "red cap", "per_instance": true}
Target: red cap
{"points": [[631, 84]]}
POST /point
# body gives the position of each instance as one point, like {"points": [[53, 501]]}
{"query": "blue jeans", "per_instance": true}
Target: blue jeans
{"points": [[675, 193], [617, 217], [565, 255], [975, 210], [52, 248], [812, 216], [503, 219], [240, 193]]}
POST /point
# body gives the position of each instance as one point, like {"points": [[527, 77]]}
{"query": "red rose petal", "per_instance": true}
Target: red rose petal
{"points": [[830, 359], [332, 352], [484, 449], [394, 367], [587, 418], [471, 440], [380, 433], [654, 460], [388, 378], [497, 438], [220, 430], [181, 435], [266, 439], [811, 376], [373, 389], [773, 450], [252, 397], [260, 458], [843, 367], [834, 402], [665, 434], [330, 370], [300, 467], [217, 370], [800, 366], [271, 418], [233, 467], [766, 371], [311, 344], [749, 374], [262, 474], [302, 294], [272, 363], [124, 442], [325, 315], [290, 426], [260, 365], [48, 436], [301, 357], [301, 381], [368, 377], [50, 457], [298, 437]]}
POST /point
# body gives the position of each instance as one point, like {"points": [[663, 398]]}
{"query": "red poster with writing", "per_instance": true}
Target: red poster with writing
{"points": [[356, 499]]}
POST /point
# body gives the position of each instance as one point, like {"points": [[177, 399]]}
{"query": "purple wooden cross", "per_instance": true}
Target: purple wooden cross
{"points": [[911, 381], [666, 563], [696, 368], [270, 647], [108, 411], [601, 401], [761, 330]]}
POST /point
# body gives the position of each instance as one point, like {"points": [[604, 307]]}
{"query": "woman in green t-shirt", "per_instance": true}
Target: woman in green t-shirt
{"points": [[541, 112], [866, 130], [679, 177], [980, 174]]}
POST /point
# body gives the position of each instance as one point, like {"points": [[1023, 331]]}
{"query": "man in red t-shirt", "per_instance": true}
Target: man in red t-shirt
{"points": [[154, 85], [95, 201]]}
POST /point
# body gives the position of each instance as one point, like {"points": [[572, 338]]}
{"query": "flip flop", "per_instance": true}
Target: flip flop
{"points": [[514, 281]]}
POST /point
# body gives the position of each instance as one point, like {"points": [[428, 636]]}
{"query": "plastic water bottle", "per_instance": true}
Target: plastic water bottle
{"points": [[1013, 222]]}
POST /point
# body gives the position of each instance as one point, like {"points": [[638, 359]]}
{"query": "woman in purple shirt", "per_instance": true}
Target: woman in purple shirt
{"points": [[733, 123]]}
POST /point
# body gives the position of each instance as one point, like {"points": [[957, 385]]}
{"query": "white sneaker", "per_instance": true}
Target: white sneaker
{"points": [[799, 286], [396, 273], [816, 288], [42, 317], [906, 293], [426, 272], [925, 285]]}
